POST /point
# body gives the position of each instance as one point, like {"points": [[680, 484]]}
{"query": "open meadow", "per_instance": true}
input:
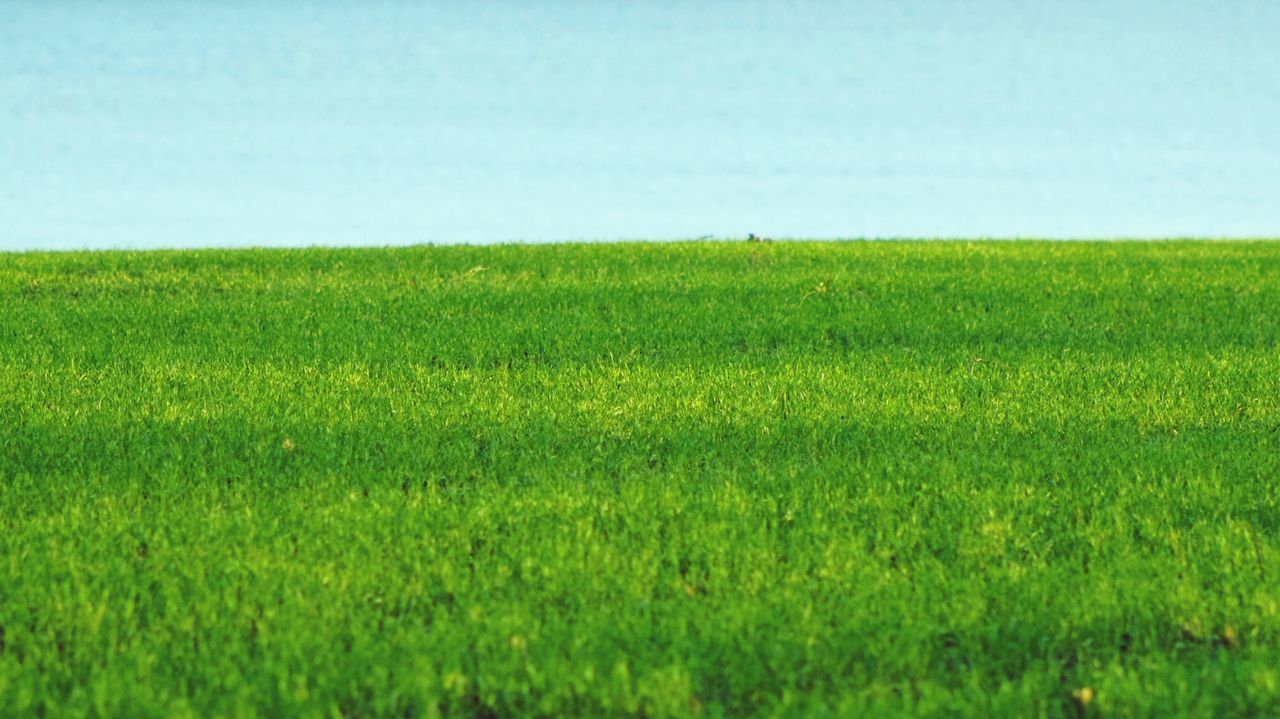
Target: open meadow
{"points": [[691, 479]]}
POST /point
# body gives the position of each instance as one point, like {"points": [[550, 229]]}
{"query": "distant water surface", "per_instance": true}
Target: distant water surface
{"points": [[156, 124]]}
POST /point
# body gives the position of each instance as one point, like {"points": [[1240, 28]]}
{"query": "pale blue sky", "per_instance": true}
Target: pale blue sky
{"points": [[145, 124]]}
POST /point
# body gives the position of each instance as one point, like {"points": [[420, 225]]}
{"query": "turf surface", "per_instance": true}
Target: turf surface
{"points": [[663, 480]]}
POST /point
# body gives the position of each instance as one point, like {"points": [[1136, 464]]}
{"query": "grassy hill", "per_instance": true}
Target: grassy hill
{"points": [[937, 478]]}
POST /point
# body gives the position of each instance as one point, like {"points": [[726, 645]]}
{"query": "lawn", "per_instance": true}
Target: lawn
{"points": [[693, 479]]}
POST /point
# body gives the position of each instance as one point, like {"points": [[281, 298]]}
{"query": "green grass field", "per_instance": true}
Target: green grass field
{"points": [[719, 479]]}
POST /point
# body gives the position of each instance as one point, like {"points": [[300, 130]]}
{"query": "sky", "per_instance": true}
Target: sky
{"points": [[140, 124]]}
